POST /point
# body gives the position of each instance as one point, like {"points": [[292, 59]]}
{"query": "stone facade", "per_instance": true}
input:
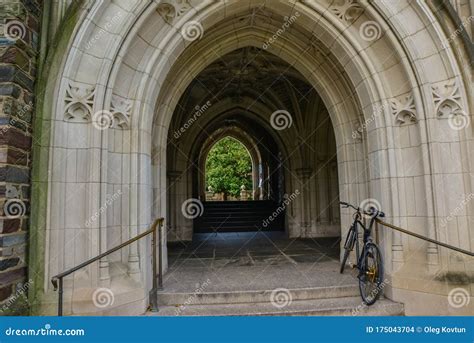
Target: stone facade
{"points": [[395, 88], [19, 47]]}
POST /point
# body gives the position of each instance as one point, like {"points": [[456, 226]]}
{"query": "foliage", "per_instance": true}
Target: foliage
{"points": [[228, 167]]}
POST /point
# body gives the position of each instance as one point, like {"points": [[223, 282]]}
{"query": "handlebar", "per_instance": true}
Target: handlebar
{"points": [[373, 212]]}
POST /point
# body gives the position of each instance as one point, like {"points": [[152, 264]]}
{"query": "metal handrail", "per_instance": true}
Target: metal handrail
{"points": [[57, 280], [391, 226]]}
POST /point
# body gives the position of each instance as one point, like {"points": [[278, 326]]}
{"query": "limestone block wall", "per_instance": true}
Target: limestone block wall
{"points": [[19, 36]]}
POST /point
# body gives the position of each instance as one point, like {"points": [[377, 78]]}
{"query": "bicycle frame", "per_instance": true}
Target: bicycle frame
{"points": [[370, 273], [366, 237]]}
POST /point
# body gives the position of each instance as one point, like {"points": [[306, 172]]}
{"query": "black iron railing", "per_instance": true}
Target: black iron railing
{"points": [[57, 280], [393, 227]]}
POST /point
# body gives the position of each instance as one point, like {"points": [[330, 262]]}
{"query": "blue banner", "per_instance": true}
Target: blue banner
{"points": [[237, 329]]}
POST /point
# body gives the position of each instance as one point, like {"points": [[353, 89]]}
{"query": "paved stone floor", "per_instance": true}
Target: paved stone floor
{"points": [[253, 261]]}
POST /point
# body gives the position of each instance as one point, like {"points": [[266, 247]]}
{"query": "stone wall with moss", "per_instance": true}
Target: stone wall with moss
{"points": [[19, 48]]}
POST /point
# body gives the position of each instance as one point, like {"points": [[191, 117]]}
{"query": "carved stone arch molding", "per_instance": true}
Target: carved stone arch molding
{"points": [[138, 77]]}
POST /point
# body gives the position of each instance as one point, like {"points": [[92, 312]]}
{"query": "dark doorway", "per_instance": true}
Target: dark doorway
{"points": [[240, 216], [257, 209]]}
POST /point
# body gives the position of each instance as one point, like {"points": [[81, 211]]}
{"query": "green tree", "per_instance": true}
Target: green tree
{"points": [[228, 167]]}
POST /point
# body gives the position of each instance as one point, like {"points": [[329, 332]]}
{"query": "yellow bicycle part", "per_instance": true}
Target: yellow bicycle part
{"points": [[371, 273]]}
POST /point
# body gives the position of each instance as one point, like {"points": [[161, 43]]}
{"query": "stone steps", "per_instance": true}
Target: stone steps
{"points": [[257, 296], [321, 301], [237, 216]]}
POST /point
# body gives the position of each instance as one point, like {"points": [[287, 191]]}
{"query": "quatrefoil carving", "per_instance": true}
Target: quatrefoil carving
{"points": [[79, 102], [347, 11], [447, 99], [120, 109]]}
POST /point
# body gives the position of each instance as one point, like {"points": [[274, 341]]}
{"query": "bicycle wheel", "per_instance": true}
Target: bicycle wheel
{"points": [[371, 274], [348, 246]]}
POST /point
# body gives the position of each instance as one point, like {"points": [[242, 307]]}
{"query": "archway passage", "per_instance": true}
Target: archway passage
{"points": [[229, 172], [390, 95], [251, 210], [260, 100]]}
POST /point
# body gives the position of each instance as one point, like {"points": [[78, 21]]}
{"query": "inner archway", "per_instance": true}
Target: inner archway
{"points": [[259, 99], [229, 172], [248, 210]]}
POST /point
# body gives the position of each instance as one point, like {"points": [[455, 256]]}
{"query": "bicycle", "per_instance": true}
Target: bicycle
{"points": [[369, 260]]}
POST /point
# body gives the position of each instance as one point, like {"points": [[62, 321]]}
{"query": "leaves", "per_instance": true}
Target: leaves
{"points": [[228, 167]]}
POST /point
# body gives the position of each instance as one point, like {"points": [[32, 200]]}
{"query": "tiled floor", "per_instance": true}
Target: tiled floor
{"points": [[253, 261]]}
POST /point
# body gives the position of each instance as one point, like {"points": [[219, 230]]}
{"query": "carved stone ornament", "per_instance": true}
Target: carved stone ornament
{"points": [[170, 10], [447, 99], [404, 110], [79, 101], [347, 10], [357, 133], [120, 108]]}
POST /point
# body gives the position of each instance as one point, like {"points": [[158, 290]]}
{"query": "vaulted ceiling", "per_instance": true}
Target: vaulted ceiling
{"points": [[250, 73]]}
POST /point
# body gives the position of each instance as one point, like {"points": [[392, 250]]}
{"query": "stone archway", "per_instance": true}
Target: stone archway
{"points": [[250, 145], [278, 108], [386, 105]]}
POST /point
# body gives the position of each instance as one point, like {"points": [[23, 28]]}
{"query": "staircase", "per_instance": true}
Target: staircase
{"points": [[262, 274], [239, 216], [320, 301]]}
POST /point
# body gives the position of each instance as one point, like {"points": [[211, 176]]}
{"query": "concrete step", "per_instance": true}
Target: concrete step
{"points": [[235, 215], [251, 203], [257, 296], [343, 306]]}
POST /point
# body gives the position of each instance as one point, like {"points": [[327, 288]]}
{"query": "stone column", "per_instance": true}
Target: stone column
{"points": [[322, 189], [174, 206], [19, 21], [133, 257], [334, 194], [304, 175]]}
